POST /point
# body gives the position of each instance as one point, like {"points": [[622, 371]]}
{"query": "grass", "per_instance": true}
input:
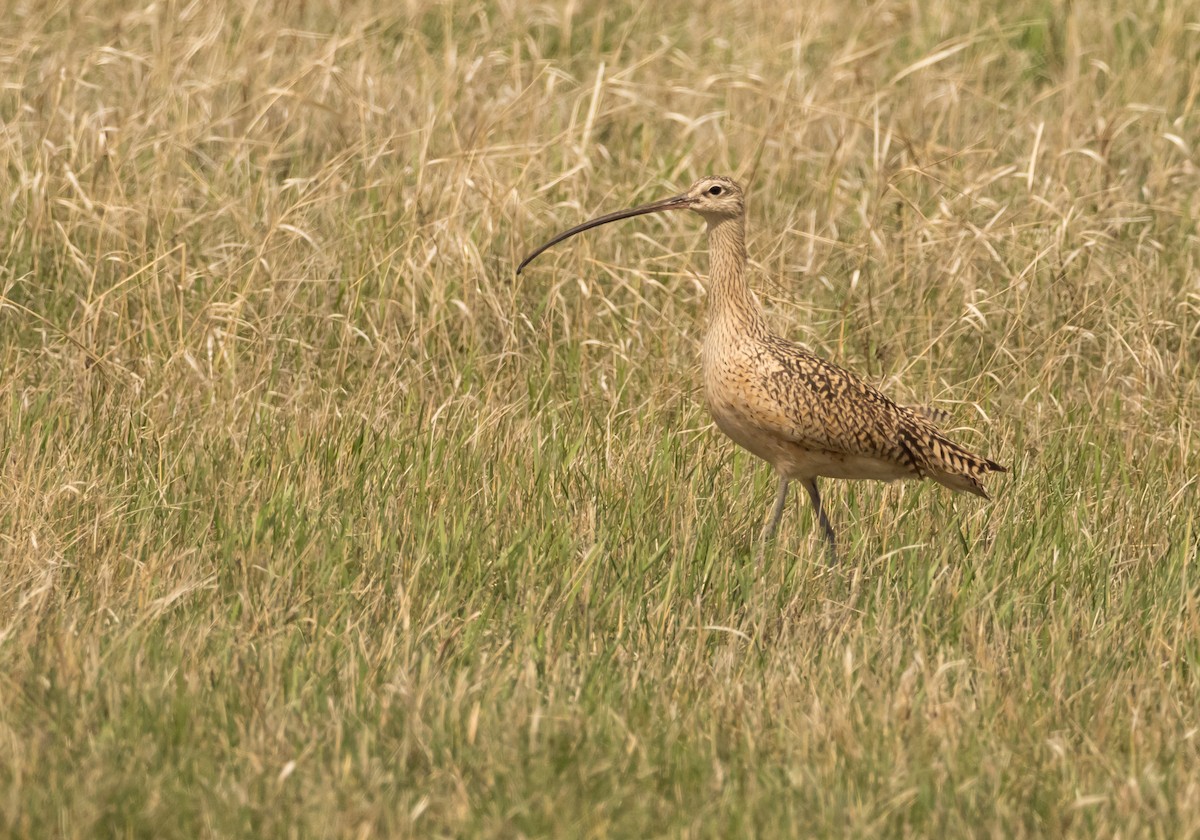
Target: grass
{"points": [[316, 521]]}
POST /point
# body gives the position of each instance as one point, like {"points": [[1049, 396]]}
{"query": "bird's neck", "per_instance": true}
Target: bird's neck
{"points": [[730, 301]]}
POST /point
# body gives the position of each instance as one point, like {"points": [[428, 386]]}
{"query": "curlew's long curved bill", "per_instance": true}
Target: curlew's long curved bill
{"points": [[675, 202]]}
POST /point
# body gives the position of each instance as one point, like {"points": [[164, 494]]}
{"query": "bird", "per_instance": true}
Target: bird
{"points": [[806, 417]]}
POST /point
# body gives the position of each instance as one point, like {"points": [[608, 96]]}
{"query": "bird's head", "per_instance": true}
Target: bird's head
{"points": [[716, 197]]}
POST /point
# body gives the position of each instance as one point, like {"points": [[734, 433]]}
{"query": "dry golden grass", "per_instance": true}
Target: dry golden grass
{"points": [[315, 520]]}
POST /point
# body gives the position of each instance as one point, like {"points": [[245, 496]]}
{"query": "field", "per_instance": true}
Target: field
{"points": [[317, 520]]}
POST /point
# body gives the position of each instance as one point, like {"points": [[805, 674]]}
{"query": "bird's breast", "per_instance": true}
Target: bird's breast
{"points": [[739, 401]]}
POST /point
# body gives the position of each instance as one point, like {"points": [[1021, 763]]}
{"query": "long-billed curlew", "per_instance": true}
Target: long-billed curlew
{"points": [[799, 413]]}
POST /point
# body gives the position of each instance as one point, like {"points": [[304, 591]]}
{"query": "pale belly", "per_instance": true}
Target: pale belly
{"points": [[741, 428]]}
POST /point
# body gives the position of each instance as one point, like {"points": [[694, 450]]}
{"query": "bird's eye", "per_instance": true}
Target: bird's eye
{"points": [[714, 190]]}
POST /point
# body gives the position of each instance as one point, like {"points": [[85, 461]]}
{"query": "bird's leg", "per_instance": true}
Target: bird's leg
{"points": [[777, 513], [810, 484]]}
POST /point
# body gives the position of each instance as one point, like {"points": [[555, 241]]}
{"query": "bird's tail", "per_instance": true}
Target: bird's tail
{"points": [[955, 467], [942, 459]]}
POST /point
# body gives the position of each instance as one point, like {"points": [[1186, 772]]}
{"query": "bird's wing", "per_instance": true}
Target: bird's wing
{"points": [[820, 406], [823, 407]]}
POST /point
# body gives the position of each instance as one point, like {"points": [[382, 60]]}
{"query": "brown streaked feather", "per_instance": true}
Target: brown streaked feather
{"points": [[936, 416], [819, 407]]}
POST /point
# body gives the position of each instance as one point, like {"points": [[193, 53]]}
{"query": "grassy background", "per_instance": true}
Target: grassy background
{"points": [[314, 520]]}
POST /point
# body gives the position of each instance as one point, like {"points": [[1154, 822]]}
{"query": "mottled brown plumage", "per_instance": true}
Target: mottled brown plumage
{"points": [[803, 415]]}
